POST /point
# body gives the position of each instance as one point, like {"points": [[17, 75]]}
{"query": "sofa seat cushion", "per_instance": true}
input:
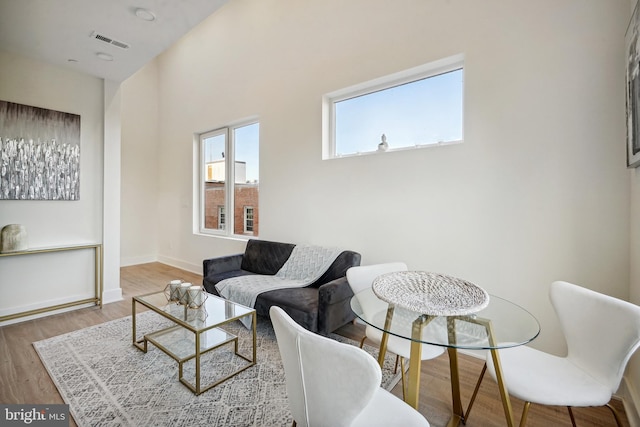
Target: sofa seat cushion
{"points": [[299, 303]]}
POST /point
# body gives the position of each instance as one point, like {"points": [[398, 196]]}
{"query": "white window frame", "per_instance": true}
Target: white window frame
{"points": [[421, 72], [222, 217], [246, 219], [200, 179]]}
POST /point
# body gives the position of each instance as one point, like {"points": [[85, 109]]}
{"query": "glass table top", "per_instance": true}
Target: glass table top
{"points": [[512, 325], [214, 312]]}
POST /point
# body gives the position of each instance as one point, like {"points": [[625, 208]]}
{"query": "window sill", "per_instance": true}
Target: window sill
{"points": [[393, 150]]}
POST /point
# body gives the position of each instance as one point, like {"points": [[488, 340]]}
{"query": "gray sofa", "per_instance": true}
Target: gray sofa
{"points": [[323, 306]]}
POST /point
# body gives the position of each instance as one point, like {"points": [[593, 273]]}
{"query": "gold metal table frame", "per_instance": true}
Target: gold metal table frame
{"points": [[98, 277], [203, 330], [483, 321]]}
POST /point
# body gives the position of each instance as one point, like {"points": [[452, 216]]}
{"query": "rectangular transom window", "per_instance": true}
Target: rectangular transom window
{"points": [[229, 180], [415, 108]]}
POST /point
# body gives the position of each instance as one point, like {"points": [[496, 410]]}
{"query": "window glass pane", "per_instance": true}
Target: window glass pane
{"points": [[221, 218], [213, 152], [247, 175], [214, 147], [422, 112], [248, 219]]}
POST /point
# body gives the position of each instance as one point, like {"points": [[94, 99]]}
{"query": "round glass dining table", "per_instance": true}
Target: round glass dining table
{"points": [[500, 324]]}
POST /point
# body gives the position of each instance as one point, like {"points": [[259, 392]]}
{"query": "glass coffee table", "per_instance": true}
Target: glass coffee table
{"points": [[194, 332]]}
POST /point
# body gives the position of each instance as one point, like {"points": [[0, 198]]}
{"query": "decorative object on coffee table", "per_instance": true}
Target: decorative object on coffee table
{"points": [[171, 290], [184, 293], [14, 238], [196, 296]]}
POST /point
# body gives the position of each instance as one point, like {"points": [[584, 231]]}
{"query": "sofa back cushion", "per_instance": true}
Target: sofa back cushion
{"points": [[265, 257]]}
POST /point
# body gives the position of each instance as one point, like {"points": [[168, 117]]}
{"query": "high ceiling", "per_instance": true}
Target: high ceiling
{"points": [[63, 32]]}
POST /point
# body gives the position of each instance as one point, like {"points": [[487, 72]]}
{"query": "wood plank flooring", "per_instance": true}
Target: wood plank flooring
{"points": [[23, 378]]}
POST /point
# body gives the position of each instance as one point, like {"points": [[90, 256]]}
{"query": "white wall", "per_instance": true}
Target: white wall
{"points": [[633, 372], [111, 191], [60, 277], [538, 191], [140, 171]]}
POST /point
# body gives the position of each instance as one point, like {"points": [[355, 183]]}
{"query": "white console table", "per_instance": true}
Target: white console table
{"points": [[97, 299]]}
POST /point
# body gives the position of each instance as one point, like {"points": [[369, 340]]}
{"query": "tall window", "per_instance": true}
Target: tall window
{"points": [[229, 180], [419, 107]]}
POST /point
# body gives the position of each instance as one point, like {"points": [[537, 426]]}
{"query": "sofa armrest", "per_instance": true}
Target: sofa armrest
{"points": [[334, 291], [334, 305], [221, 264], [338, 269]]}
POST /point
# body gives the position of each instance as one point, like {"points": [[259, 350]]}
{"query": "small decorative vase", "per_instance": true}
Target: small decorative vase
{"points": [[171, 290], [13, 238]]}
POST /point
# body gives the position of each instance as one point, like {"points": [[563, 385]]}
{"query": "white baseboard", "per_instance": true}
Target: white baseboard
{"points": [[193, 268], [173, 262], [126, 262], [111, 295]]}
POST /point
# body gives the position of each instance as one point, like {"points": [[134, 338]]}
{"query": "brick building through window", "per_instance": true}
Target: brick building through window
{"points": [[245, 195]]}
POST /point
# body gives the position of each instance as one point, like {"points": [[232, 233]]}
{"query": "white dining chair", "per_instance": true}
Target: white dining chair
{"points": [[335, 384], [601, 332], [361, 278]]}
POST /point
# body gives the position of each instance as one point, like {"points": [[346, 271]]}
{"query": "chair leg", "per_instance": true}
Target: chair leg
{"points": [[294, 424], [525, 412], [362, 341], [573, 420], [615, 414], [475, 392], [404, 382], [395, 368]]}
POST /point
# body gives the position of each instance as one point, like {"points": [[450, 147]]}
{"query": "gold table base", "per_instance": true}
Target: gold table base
{"points": [[415, 360], [98, 278]]}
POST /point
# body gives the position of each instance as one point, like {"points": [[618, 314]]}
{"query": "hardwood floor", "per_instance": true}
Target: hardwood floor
{"points": [[23, 378]]}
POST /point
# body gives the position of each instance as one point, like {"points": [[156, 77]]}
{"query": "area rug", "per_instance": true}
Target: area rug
{"points": [[108, 382]]}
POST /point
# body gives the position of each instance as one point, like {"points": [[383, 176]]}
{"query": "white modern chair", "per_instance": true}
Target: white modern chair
{"points": [[361, 278], [601, 332], [335, 384]]}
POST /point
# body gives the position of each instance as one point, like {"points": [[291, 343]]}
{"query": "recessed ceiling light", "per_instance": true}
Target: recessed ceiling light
{"points": [[145, 14], [104, 56]]}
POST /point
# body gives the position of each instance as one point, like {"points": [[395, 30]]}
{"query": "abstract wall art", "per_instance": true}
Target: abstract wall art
{"points": [[39, 153], [632, 41]]}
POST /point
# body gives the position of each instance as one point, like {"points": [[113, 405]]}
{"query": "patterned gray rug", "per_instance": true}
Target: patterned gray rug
{"points": [[108, 382]]}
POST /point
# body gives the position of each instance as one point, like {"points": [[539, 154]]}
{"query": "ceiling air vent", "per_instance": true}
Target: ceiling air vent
{"points": [[109, 40]]}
